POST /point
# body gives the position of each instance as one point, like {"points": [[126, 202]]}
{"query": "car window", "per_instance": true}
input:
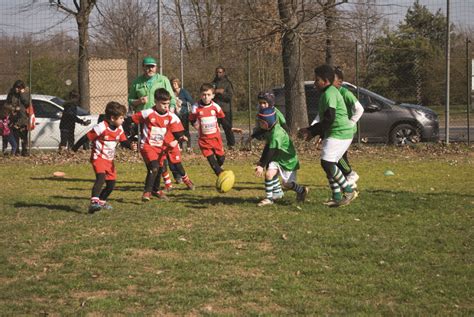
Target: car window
{"points": [[44, 109], [58, 101], [363, 98]]}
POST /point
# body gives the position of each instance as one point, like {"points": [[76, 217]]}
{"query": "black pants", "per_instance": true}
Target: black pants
{"points": [[21, 134], [185, 121], [226, 124], [67, 138]]}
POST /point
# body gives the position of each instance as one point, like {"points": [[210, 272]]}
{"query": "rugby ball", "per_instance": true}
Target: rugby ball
{"points": [[225, 181]]}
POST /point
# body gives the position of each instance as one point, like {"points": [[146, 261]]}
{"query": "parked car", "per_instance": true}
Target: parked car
{"points": [[48, 112], [383, 121]]}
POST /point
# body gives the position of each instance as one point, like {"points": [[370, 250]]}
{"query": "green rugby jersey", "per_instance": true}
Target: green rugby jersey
{"points": [[286, 156], [341, 128]]}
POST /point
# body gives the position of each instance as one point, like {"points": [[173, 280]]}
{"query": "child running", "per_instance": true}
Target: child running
{"points": [[205, 116], [104, 138], [161, 130], [337, 133], [278, 158]]}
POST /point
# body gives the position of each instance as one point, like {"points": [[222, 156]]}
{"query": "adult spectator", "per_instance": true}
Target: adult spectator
{"points": [[141, 94], [184, 102], [18, 97], [223, 97], [68, 121]]}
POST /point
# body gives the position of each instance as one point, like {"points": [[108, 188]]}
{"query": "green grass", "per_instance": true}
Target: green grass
{"points": [[404, 247]]}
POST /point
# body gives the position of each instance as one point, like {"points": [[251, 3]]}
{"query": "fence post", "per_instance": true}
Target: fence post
{"points": [[469, 87], [448, 67], [30, 100], [357, 84], [249, 96]]}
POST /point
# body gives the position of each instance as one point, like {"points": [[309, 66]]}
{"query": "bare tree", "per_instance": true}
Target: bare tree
{"points": [[81, 13]]}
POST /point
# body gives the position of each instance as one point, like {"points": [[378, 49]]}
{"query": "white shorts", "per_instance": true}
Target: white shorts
{"points": [[334, 149], [287, 177]]}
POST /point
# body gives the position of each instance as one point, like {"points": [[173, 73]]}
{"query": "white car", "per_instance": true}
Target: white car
{"points": [[48, 112]]}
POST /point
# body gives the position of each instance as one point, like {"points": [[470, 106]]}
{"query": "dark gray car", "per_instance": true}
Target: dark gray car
{"points": [[383, 121]]}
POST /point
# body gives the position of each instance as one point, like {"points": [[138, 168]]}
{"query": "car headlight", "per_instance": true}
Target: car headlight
{"points": [[427, 115]]}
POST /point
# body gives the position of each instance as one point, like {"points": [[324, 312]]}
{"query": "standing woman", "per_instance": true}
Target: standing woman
{"points": [[18, 98], [184, 101]]}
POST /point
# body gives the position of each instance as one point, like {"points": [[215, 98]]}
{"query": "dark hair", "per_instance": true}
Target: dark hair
{"points": [[162, 94], [6, 110], [338, 72], [175, 79], [325, 72], [19, 84], [115, 109], [220, 67], [73, 94], [206, 87], [269, 97]]}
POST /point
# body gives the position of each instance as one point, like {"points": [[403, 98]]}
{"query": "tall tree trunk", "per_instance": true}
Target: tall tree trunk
{"points": [[295, 100], [329, 12], [83, 62]]}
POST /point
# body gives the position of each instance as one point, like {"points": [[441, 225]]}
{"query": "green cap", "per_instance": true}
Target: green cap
{"points": [[149, 61]]}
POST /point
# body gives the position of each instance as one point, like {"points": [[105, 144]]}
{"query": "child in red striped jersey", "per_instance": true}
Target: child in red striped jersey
{"points": [[205, 116], [160, 129], [104, 138]]}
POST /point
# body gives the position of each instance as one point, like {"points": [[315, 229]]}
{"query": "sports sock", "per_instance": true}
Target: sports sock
{"points": [[109, 187], [269, 188], [95, 200], [167, 179], [340, 179], [336, 190], [277, 190], [297, 188], [214, 164], [186, 180]]}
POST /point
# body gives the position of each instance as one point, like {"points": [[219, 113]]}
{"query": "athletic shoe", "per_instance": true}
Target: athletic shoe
{"points": [[332, 203], [349, 197], [352, 179], [106, 206], [94, 207], [265, 202], [168, 188], [302, 196], [278, 196], [146, 196], [160, 195]]}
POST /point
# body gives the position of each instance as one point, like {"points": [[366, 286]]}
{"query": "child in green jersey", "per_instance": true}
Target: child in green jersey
{"points": [[354, 112], [278, 158], [337, 132]]}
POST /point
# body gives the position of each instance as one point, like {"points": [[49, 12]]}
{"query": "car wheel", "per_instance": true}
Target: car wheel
{"points": [[404, 134]]}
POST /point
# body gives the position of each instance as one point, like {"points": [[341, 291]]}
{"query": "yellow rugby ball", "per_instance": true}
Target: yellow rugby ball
{"points": [[225, 181]]}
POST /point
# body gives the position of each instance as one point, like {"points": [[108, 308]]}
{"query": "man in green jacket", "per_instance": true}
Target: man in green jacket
{"points": [[141, 94]]}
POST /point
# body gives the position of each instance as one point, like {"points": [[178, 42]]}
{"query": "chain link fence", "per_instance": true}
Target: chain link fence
{"points": [[44, 54]]}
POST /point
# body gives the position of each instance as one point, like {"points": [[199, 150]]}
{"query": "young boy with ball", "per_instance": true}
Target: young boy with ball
{"points": [[278, 158]]}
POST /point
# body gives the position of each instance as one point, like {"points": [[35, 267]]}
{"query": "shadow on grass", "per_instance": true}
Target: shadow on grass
{"points": [[62, 179], [48, 206]]}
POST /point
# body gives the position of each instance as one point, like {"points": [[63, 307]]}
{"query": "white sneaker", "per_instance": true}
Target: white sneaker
{"points": [[265, 202], [278, 196], [352, 179]]}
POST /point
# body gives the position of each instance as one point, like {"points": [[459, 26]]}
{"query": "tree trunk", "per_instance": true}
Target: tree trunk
{"points": [[329, 22], [83, 62], [295, 99]]}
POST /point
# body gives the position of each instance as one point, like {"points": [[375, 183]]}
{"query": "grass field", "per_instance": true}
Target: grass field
{"points": [[404, 247]]}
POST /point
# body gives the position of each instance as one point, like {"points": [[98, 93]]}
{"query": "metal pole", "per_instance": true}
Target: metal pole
{"points": [[160, 49], [181, 57], [357, 84], [469, 88], [448, 66], [138, 61], [30, 80], [249, 96]]}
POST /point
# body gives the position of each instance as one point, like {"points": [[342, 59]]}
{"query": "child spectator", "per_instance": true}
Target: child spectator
{"points": [[5, 131], [160, 129], [278, 158], [68, 121], [337, 132], [204, 116], [104, 137], [18, 97]]}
